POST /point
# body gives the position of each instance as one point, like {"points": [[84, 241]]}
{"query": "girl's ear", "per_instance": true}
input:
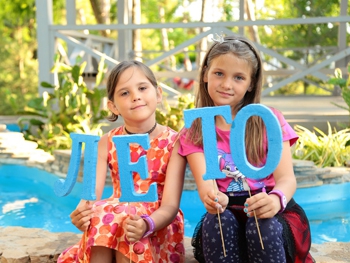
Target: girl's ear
{"points": [[111, 106], [159, 94], [205, 75]]}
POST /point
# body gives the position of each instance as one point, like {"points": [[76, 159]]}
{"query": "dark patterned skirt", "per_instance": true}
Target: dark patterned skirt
{"points": [[296, 231]]}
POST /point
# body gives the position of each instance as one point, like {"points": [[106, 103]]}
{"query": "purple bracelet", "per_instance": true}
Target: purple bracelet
{"points": [[150, 223]]}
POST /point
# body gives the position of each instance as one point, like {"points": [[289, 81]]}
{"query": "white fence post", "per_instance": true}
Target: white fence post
{"points": [[124, 35], [46, 41], [342, 63], [71, 18]]}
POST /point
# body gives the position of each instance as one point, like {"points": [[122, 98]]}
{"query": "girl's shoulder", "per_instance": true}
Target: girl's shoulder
{"points": [[115, 131], [287, 131], [167, 133], [279, 115], [275, 111]]}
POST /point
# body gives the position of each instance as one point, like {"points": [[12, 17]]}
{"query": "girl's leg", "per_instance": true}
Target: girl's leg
{"points": [[121, 258], [271, 233], [101, 254], [212, 244]]}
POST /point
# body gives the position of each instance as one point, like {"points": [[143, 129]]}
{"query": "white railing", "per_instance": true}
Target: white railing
{"points": [[92, 48]]}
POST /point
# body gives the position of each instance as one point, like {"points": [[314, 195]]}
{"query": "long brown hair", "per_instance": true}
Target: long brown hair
{"points": [[243, 49]]}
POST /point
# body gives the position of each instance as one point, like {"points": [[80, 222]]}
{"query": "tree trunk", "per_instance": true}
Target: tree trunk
{"points": [[101, 11], [253, 30], [171, 62], [203, 43], [136, 33]]}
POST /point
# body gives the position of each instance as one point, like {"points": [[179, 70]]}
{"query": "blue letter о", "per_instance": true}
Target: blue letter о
{"points": [[237, 139]]}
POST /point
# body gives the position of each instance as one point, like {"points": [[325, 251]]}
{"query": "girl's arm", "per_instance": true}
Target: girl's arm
{"points": [[266, 206], [284, 174], [208, 193], [101, 168], [170, 204], [80, 217]]}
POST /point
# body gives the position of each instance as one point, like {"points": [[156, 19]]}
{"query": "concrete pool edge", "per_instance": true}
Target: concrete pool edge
{"points": [[24, 245]]}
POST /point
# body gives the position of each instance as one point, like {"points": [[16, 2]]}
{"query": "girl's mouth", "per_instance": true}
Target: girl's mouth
{"points": [[225, 94], [137, 107]]}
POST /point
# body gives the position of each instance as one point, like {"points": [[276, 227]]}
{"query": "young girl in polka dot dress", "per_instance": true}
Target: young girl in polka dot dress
{"points": [[141, 232]]}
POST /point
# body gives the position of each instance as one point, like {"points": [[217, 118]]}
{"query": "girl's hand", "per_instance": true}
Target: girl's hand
{"points": [[215, 202], [265, 206], [81, 216], [135, 227]]}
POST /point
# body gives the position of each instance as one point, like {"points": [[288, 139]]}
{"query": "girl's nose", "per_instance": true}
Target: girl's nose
{"points": [[135, 97], [227, 83]]}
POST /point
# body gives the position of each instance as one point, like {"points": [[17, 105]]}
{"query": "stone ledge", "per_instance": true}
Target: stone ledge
{"points": [[35, 245]]}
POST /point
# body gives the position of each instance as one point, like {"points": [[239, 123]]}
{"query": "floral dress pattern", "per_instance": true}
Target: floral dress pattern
{"points": [[107, 223]]}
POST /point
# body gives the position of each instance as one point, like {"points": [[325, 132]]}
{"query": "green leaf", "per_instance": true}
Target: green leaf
{"points": [[32, 113], [337, 81], [82, 67], [36, 122], [100, 73], [347, 143], [76, 73], [60, 68], [57, 129], [47, 85], [36, 103]]}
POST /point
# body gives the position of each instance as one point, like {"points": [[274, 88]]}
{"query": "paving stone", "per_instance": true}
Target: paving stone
{"points": [[42, 246], [310, 184]]}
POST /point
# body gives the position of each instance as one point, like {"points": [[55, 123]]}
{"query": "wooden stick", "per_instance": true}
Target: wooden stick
{"points": [[130, 247], [257, 225], [85, 240], [222, 236]]}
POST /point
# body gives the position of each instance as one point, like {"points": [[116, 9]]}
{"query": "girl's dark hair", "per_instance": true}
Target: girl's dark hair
{"points": [[243, 49], [115, 74]]}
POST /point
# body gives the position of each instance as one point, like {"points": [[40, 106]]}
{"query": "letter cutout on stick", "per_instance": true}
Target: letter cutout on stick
{"points": [[64, 187], [274, 140], [207, 114], [126, 168]]}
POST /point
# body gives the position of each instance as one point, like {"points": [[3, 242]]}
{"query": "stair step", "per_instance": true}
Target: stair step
{"points": [[11, 135]]}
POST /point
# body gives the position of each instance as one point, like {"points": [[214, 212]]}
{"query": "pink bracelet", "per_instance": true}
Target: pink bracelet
{"points": [[283, 199], [150, 223]]}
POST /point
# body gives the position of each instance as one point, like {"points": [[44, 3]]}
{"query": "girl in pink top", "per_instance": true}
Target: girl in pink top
{"points": [[231, 74]]}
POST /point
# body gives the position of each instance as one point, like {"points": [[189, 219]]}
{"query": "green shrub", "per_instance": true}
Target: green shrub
{"points": [[344, 85], [173, 116], [70, 107], [325, 150]]}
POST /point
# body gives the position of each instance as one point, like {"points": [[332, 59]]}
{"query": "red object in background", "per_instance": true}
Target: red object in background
{"points": [[183, 83]]}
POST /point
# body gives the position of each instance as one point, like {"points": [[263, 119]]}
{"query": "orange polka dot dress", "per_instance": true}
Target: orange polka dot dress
{"points": [[107, 224]]}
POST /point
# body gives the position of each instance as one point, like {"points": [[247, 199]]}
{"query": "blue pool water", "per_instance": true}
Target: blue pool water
{"points": [[27, 199]]}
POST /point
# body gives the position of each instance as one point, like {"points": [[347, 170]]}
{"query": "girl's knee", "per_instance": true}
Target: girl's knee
{"points": [[271, 230], [101, 254], [212, 219]]}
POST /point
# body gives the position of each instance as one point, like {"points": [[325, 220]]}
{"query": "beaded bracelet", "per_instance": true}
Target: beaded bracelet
{"points": [[150, 223]]}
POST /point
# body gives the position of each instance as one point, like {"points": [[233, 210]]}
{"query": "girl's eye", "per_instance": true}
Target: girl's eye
{"points": [[124, 93], [143, 88], [219, 74], [239, 78]]}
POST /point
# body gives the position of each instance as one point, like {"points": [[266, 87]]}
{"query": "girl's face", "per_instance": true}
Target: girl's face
{"points": [[135, 98], [228, 79]]}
